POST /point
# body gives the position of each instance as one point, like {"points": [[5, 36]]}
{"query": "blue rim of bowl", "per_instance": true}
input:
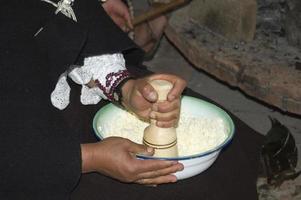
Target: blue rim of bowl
{"points": [[217, 148]]}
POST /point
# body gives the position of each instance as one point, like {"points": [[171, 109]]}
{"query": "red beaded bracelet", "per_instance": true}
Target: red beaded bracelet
{"points": [[114, 93]]}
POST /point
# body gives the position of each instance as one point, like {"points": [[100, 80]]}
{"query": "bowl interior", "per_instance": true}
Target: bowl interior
{"points": [[195, 107]]}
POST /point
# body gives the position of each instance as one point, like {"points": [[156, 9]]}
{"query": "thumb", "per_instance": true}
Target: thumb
{"points": [[128, 20], [141, 149], [147, 91]]}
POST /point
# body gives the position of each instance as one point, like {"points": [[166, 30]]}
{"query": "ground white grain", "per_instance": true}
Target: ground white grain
{"points": [[195, 135]]}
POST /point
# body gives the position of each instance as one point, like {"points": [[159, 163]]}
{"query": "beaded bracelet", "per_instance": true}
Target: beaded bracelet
{"points": [[118, 97], [113, 85]]}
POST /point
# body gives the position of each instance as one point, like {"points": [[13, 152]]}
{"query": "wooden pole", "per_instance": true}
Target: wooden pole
{"points": [[158, 10]]}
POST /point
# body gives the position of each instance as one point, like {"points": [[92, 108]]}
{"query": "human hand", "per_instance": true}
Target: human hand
{"points": [[119, 13], [140, 97], [115, 157]]}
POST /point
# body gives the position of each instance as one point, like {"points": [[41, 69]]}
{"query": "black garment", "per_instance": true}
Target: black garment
{"points": [[34, 159], [40, 145], [39, 152]]}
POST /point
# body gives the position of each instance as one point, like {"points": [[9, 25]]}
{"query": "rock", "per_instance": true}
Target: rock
{"points": [[292, 23], [234, 19]]}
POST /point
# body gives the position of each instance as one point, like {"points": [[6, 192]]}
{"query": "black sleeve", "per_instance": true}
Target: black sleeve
{"points": [[67, 42], [104, 36], [39, 153]]}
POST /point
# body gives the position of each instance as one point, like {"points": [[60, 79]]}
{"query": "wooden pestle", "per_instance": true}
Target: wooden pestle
{"points": [[163, 140]]}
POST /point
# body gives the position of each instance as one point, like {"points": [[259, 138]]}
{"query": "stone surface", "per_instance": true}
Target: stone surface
{"points": [[234, 19], [292, 22], [289, 190], [258, 68]]}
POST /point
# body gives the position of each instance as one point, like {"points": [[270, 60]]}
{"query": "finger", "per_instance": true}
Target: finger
{"points": [[167, 124], [158, 180], [140, 149], [130, 24], [128, 20], [119, 21], [165, 117], [123, 24], [177, 89], [147, 91], [162, 172], [143, 166], [126, 28], [166, 106], [179, 84]]}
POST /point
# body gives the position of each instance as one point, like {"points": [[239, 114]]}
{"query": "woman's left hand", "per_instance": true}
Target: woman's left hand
{"points": [[119, 13]]}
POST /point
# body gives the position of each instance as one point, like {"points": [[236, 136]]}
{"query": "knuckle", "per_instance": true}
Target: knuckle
{"points": [[158, 173], [127, 142], [175, 115], [174, 123], [130, 179], [129, 176], [183, 81], [132, 170], [166, 124], [141, 181]]}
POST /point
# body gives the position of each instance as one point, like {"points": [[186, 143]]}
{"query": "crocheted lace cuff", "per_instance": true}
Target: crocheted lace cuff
{"points": [[106, 70]]}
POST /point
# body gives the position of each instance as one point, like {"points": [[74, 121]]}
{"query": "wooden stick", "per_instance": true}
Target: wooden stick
{"points": [[157, 11]]}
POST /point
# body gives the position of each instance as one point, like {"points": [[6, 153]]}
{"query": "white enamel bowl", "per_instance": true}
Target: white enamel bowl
{"points": [[193, 164]]}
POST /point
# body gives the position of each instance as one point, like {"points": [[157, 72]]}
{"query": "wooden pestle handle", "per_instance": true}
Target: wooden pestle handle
{"points": [[164, 140], [162, 88]]}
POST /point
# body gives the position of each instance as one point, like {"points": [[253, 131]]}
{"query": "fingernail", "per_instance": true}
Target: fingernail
{"points": [[161, 124], [149, 149], [153, 115], [172, 97], [175, 179], [153, 185], [152, 96]]}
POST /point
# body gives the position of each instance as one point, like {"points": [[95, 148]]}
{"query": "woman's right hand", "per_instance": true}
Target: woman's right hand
{"points": [[115, 157]]}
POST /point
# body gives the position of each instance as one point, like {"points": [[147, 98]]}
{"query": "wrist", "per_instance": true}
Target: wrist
{"points": [[126, 91], [87, 158], [121, 91]]}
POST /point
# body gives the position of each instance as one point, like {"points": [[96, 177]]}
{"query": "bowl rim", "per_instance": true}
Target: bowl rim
{"points": [[193, 156]]}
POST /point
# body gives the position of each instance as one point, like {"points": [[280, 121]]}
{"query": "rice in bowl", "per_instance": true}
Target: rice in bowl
{"points": [[203, 131], [194, 134]]}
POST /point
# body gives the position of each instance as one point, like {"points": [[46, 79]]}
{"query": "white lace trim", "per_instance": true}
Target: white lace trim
{"points": [[60, 95], [94, 68]]}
